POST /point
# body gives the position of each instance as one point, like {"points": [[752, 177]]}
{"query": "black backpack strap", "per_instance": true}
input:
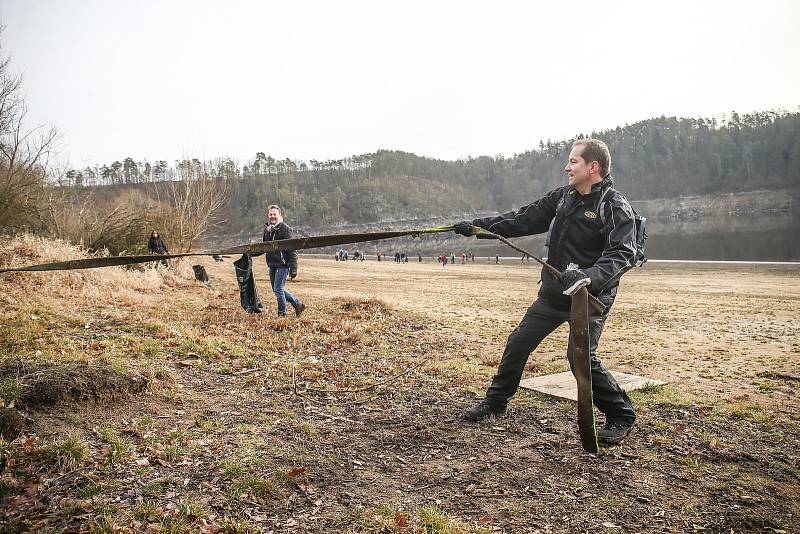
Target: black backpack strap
{"points": [[552, 222], [600, 208]]}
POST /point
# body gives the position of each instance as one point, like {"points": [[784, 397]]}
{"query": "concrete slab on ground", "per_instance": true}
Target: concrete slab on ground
{"points": [[563, 384]]}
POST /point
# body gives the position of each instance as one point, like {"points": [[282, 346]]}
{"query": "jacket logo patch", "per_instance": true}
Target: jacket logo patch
{"points": [[590, 215]]}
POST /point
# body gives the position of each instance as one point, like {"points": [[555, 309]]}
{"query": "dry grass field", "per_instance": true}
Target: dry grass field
{"points": [[143, 401]]}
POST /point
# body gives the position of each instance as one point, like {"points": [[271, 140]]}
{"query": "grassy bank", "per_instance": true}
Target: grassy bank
{"points": [[144, 401]]}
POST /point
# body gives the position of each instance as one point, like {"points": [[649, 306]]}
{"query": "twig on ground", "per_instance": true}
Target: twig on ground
{"points": [[335, 417]]}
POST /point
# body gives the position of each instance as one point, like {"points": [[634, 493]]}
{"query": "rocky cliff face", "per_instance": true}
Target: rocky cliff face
{"points": [[750, 204]]}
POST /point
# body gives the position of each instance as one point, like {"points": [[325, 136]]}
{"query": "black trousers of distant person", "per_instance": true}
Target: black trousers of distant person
{"points": [[539, 321]]}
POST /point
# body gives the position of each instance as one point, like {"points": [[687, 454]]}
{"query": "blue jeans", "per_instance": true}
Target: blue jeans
{"points": [[277, 278]]}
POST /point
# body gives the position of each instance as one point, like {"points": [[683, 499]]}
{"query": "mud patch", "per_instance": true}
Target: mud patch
{"points": [[46, 385]]}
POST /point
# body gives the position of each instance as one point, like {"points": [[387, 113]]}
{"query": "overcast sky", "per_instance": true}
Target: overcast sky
{"points": [[319, 80]]}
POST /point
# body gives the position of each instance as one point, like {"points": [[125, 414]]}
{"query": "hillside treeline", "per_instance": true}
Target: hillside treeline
{"points": [[656, 158]]}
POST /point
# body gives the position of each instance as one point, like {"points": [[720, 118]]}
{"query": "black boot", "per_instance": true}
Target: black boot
{"points": [[483, 410], [299, 308], [614, 431]]}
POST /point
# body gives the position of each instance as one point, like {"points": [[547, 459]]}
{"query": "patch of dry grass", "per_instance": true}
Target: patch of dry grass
{"points": [[126, 286]]}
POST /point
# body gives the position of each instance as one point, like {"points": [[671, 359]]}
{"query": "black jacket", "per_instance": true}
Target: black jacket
{"points": [[577, 236], [280, 259], [156, 245]]}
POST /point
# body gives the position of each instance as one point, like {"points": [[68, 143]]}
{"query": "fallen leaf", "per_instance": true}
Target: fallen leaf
{"points": [[400, 520], [296, 471]]}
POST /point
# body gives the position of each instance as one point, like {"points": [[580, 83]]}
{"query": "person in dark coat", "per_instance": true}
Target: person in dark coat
{"points": [[282, 264], [589, 252], [156, 245]]}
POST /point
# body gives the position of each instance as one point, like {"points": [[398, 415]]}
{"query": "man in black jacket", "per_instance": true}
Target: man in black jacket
{"points": [[282, 264], [589, 249]]}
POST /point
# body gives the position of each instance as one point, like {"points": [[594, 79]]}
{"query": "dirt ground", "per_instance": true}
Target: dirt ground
{"points": [[346, 420], [708, 329]]}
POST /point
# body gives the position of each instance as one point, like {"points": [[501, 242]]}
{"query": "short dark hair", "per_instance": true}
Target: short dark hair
{"points": [[596, 150]]}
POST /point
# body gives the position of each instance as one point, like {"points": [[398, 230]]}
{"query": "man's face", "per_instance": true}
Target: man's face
{"points": [[272, 216], [577, 169]]}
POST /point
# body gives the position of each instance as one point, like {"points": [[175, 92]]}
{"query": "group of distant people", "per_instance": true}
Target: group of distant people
{"points": [[402, 257], [343, 255], [465, 257]]}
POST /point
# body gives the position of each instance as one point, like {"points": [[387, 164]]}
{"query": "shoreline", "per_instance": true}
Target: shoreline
{"points": [[317, 255]]}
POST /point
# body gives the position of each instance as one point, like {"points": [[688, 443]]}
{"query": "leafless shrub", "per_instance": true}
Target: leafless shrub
{"points": [[119, 225]]}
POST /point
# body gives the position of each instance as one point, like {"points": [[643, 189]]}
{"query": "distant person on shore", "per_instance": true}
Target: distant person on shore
{"points": [[496, 259], [282, 264], [156, 245], [590, 250]]}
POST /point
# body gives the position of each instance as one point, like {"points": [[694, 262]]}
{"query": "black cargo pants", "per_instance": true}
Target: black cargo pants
{"points": [[539, 321]]}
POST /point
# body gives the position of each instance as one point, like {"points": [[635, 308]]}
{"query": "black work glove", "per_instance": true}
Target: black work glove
{"points": [[292, 275], [574, 279], [463, 228]]}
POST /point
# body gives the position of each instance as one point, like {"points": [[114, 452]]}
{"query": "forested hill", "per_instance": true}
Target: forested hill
{"points": [[656, 158]]}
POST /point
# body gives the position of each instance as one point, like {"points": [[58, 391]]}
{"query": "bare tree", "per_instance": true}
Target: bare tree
{"points": [[189, 208], [24, 156]]}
